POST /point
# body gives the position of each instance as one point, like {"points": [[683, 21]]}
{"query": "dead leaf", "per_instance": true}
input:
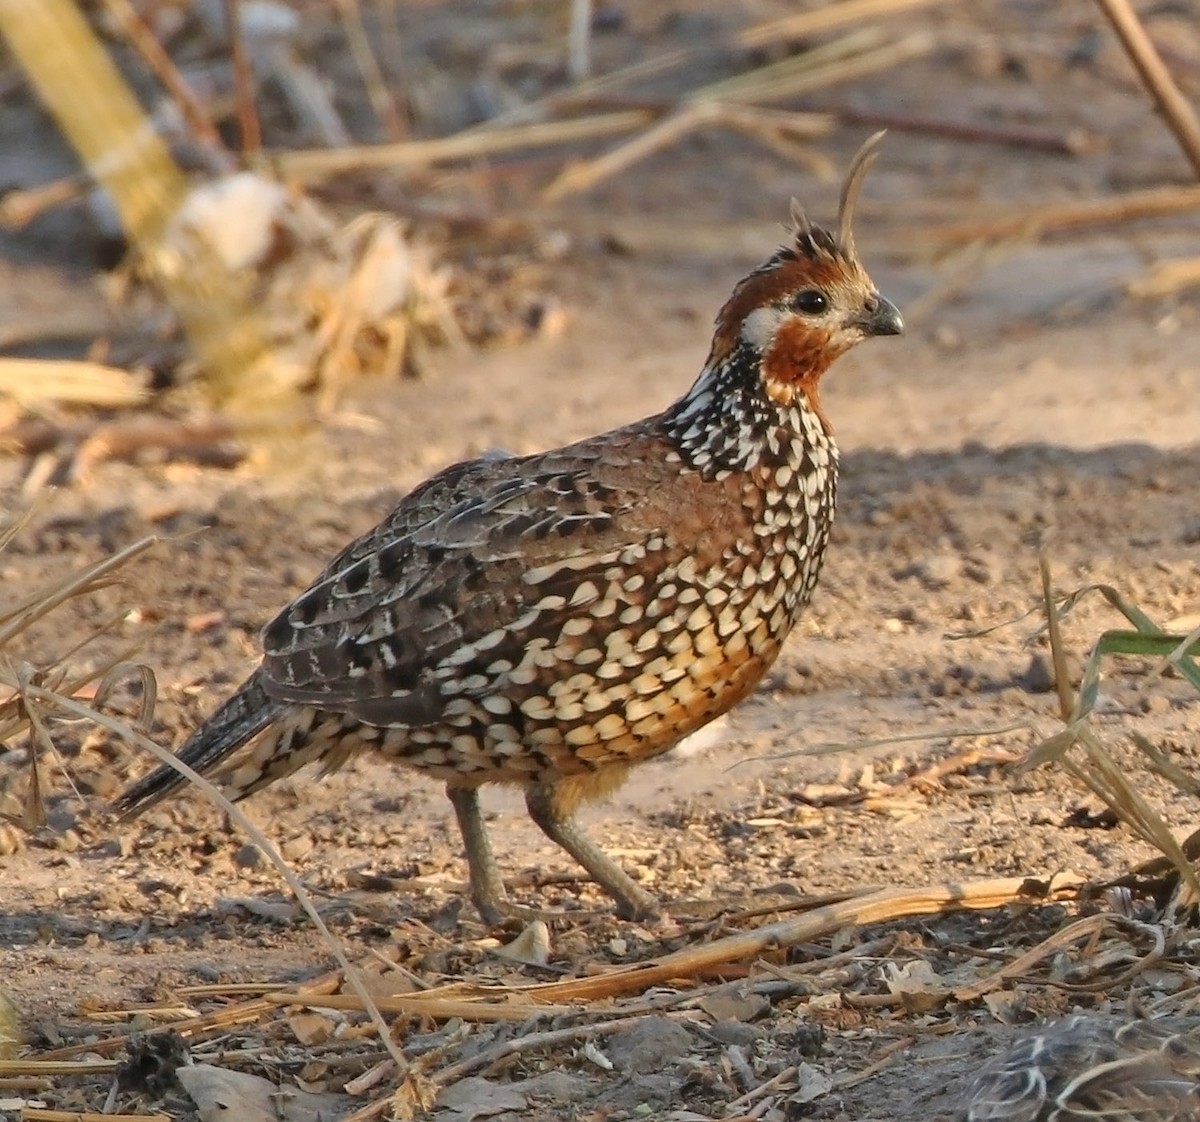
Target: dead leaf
{"points": [[531, 947], [475, 1097], [310, 1028], [732, 1007], [221, 1095], [812, 1083], [914, 977], [1006, 1006]]}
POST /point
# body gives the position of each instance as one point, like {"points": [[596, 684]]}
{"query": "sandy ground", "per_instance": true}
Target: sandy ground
{"points": [[1033, 406]]}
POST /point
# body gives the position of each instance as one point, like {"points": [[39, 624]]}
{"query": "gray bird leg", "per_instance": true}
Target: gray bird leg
{"points": [[633, 902], [487, 886]]}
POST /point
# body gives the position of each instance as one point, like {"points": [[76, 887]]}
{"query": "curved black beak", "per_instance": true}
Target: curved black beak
{"points": [[882, 317]]}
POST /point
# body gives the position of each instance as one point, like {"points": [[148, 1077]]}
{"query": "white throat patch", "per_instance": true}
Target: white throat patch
{"points": [[761, 325]]}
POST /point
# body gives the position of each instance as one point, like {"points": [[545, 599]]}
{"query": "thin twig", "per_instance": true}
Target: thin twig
{"points": [[728, 102], [243, 82], [1093, 925], [579, 40], [378, 92], [1032, 221], [38, 1114], [1071, 143], [885, 904], [887, 1056], [413, 1005], [826, 17], [1180, 115], [126, 732], [143, 41], [534, 1040]]}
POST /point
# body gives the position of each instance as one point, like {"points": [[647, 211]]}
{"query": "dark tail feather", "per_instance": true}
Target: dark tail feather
{"points": [[245, 714]]}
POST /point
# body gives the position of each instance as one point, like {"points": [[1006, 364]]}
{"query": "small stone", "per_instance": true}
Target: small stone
{"points": [[1038, 676], [249, 857], [66, 842], [937, 572], [649, 1046], [297, 848], [736, 1032], [979, 571], [947, 338]]}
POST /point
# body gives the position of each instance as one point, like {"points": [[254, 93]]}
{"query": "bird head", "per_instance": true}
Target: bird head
{"points": [[811, 302]]}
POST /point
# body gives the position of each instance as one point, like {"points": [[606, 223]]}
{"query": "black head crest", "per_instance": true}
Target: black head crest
{"points": [[801, 227]]}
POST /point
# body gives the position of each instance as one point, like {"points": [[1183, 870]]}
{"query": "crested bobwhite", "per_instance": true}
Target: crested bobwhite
{"points": [[1092, 1068], [550, 620]]}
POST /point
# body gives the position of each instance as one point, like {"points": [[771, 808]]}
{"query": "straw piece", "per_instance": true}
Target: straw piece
{"points": [[439, 1008], [219, 1019], [121, 728], [825, 18], [852, 56], [57, 1067], [1165, 278], [38, 1114], [877, 907], [30, 381], [1033, 222]]}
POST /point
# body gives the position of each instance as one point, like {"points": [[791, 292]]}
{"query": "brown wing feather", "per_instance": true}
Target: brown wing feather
{"points": [[465, 560], [1088, 1067]]}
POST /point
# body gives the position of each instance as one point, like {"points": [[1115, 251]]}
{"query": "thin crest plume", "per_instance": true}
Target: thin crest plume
{"points": [[859, 166], [812, 240]]}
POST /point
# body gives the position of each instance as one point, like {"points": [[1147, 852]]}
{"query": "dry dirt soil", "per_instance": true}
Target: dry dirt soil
{"points": [[1034, 406]]}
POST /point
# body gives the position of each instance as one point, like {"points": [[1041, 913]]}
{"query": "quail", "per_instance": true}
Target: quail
{"points": [[1090, 1067], [550, 620]]}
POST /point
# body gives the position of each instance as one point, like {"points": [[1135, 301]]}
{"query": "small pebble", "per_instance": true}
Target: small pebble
{"points": [[297, 848], [249, 857], [937, 572], [1038, 676], [736, 1032], [649, 1046]]}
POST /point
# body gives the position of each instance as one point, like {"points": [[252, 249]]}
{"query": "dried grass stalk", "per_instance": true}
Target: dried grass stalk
{"points": [[825, 18], [1176, 108], [315, 165]]}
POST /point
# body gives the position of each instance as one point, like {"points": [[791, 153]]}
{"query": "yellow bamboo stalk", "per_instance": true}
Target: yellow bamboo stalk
{"points": [[117, 143], [82, 89]]}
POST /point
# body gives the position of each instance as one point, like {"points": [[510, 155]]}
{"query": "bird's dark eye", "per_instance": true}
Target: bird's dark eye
{"points": [[810, 301]]}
